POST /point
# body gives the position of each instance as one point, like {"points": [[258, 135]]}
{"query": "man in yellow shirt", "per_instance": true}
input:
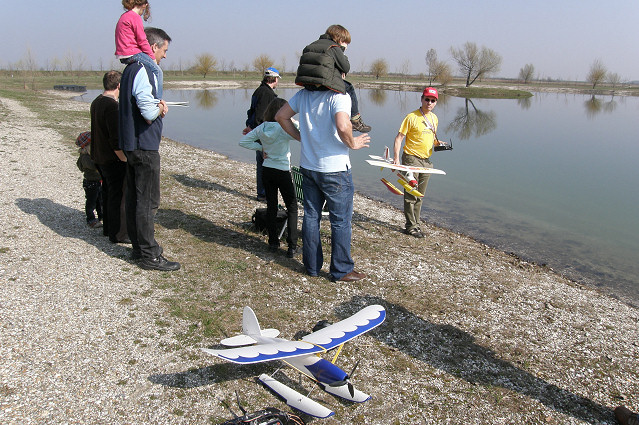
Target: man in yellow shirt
{"points": [[419, 128]]}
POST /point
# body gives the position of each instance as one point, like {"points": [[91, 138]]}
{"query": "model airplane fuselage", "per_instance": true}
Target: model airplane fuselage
{"points": [[405, 173], [302, 355]]}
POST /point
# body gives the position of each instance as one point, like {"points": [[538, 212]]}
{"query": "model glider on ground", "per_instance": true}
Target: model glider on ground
{"points": [[302, 355], [404, 172]]}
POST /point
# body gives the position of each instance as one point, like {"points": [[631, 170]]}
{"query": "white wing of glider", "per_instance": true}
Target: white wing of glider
{"points": [[279, 349], [347, 329], [177, 103], [317, 342], [390, 165]]}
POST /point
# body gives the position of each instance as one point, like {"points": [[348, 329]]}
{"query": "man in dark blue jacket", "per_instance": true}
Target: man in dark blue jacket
{"points": [[262, 96], [140, 133]]}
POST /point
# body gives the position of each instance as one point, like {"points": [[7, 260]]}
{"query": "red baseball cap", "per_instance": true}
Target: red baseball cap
{"points": [[431, 92]]}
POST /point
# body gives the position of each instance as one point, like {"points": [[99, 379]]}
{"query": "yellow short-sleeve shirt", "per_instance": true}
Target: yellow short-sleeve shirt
{"points": [[419, 137]]}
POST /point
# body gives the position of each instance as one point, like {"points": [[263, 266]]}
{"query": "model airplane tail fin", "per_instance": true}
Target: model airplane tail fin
{"points": [[386, 153], [250, 325], [251, 331]]}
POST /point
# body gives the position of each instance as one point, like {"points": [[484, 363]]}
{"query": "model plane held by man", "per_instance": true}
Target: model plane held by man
{"points": [[302, 355], [405, 173]]}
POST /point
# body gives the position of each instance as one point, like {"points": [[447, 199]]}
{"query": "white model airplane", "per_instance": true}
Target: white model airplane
{"points": [[184, 104], [302, 355], [405, 174]]}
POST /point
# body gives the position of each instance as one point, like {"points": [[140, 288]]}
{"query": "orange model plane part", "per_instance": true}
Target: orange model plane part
{"points": [[391, 187]]}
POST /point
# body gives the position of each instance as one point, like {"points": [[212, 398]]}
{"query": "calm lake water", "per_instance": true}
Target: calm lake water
{"points": [[551, 178]]}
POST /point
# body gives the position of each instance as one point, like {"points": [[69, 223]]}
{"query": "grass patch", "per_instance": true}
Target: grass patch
{"points": [[486, 93]]}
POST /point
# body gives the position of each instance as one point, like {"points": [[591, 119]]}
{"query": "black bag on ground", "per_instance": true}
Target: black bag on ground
{"points": [[259, 220], [268, 416]]}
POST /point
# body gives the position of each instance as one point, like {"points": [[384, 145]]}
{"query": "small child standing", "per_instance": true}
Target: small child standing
{"points": [[276, 174], [131, 44], [92, 181], [324, 64]]}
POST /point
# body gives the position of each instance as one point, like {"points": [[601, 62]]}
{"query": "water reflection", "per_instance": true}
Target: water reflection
{"points": [[595, 106], [524, 102], [206, 99], [377, 96], [471, 121]]}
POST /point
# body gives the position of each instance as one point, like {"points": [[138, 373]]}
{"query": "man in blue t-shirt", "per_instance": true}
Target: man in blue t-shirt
{"points": [[326, 167]]}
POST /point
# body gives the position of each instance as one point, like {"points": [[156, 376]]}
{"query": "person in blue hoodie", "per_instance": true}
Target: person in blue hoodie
{"points": [[276, 174]]}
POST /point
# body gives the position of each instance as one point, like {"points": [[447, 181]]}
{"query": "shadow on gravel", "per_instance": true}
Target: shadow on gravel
{"points": [[357, 220], [208, 231], [211, 375], [452, 350], [69, 223], [203, 184]]}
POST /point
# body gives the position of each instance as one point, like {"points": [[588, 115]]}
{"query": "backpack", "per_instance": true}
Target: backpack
{"points": [[268, 416], [259, 220]]}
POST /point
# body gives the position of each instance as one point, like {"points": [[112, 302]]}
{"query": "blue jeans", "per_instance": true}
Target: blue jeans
{"points": [[155, 68], [337, 190]]}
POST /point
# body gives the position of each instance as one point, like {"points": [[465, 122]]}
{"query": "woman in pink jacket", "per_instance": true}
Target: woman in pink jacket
{"points": [[131, 44]]}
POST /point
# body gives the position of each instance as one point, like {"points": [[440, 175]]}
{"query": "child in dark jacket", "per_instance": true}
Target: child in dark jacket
{"points": [[92, 182], [323, 64]]}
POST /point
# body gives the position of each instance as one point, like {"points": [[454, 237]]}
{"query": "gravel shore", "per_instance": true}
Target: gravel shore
{"points": [[473, 335]]}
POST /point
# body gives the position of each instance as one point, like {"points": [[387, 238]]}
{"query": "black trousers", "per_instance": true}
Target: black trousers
{"points": [[93, 199], [143, 200], [275, 180], [113, 184]]}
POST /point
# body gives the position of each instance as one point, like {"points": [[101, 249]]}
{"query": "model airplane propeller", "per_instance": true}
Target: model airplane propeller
{"points": [[303, 355], [404, 172]]}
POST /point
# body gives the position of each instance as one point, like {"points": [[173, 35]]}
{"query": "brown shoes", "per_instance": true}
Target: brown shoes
{"points": [[350, 277], [625, 416], [358, 124]]}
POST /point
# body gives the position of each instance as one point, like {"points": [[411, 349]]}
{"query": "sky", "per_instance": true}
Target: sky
{"points": [[560, 38]]}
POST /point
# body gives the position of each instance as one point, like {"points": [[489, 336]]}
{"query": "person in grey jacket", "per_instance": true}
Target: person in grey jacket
{"points": [[323, 65], [92, 181]]}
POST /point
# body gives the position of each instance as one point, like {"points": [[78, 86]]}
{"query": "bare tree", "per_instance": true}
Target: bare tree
{"points": [[476, 63], [404, 69], [29, 67], [81, 61], [527, 73], [204, 64], [597, 73], [69, 61], [223, 65], [443, 73], [613, 79], [431, 65], [54, 64], [437, 70], [379, 68], [262, 62]]}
